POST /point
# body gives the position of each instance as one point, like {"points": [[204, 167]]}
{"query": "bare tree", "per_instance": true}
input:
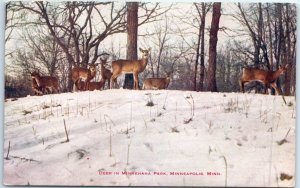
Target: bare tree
{"points": [[290, 47], [211, 77], [205, 7], [159, 40], [132, 34], [11, 20]]}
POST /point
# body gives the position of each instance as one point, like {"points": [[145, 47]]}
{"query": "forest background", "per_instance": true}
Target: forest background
{"points": [[54, 37]]}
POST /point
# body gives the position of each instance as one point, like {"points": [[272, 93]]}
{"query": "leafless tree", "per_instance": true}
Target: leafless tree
{"points": [[202, 11], [211, 77], [132, 35]]}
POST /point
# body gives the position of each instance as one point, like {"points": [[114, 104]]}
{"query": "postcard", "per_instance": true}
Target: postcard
{"points": [[101, 93]]}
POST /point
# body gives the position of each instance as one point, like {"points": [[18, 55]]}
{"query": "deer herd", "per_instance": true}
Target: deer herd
{"points": [[82, 77]]}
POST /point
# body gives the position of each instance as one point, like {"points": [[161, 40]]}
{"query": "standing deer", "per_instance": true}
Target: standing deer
{"points": [[129, 66], [157, 83], [45, 82], [85, 74], [105, 73], [263, 76]]}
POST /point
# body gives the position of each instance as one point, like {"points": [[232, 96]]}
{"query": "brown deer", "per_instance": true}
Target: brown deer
{"points": [[45, 82], [85, 74], [93, 86], [157, 83], [263, 76], [105, 73], [129, 66]]}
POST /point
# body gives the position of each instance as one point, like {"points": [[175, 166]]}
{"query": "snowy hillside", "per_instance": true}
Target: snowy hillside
{"points": [[123, 137]]}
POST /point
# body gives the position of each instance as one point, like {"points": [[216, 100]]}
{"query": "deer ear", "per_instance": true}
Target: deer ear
{"points": [[280, 66], [141, 49], [286, 65]]}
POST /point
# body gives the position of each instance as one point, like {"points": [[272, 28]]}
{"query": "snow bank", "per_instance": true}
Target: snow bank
{"points": [[177, 138]]}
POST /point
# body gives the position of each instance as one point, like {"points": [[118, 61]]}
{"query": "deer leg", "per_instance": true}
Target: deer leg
{"points": [[55, 90], [242, 86], [52, 90], [58, 89], [38, 91], [45, 91], [49, 90], [273, 85], [108, 83], [103, 84], [75, 86], [136, 81], [87, 85], [111, 82], [265, 88]]}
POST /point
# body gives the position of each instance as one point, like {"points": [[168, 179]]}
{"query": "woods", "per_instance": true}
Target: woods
{"points": [[204, 45]]}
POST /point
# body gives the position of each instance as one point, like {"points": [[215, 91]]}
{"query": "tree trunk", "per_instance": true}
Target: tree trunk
{"points": [[228, 70], [152, 66], [259, 36], [202, 13], [280, 34], [197, 58], [280, 39], [213, 40], [132, 31], [270, 39], [287, 80], [70, 81], [202, 67]]}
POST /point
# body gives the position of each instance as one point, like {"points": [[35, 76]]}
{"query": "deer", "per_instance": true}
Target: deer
{"points": [[129, 66], [105, 73], [263, 76], [45, 82], [85, 74], [93, 86], [157, 83]]}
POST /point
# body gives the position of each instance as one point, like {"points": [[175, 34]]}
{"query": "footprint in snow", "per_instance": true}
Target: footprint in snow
{"points": [[239, 143], [245, 138], [78, 154], [149, 146]]}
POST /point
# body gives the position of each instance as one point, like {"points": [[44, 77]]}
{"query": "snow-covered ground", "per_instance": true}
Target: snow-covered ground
{"points": [[117, 137]]}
